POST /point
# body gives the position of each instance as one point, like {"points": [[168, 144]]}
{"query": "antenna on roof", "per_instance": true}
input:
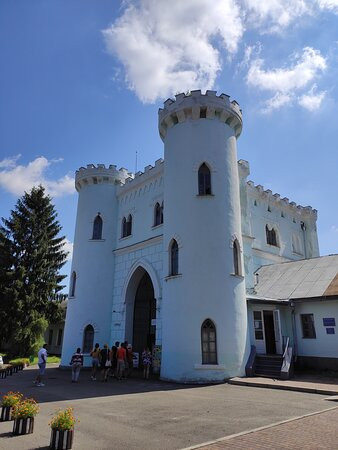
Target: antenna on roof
{"points": [[136, 162]]}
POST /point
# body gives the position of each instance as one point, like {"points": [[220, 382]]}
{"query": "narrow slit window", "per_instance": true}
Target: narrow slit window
{"points": [[173, 258], [237, 258], [97, 228], [73, 284], [158, 215], [208, 341], [204, 180]]}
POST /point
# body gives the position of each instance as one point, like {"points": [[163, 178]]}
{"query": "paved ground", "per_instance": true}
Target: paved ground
{"points": [[317, 431], [326, 386], [135, 414]]}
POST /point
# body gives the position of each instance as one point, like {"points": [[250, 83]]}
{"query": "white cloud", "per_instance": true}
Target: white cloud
{"points": [[167, 47], [277, 101], [271, 16], [17, 179], [285, 82], [68, 247], [312, 101], [331, 5], [334, 228]]}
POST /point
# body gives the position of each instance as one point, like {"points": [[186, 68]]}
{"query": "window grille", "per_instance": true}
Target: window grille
{"points": [[208, 338], [308, 326], [271, 236]]}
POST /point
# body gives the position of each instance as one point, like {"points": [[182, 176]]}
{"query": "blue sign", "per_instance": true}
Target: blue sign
{"points": [[329, 330], [329, 322]]}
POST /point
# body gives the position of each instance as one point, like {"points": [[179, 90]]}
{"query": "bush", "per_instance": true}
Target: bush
{"points": [[11, 398], [63, 420], [25, 408]]}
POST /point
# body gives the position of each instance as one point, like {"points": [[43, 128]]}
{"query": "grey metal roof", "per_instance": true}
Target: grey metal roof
{"points": [[316, 277]]}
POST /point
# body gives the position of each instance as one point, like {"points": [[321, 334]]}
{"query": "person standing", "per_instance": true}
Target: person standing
{"points": [[42, 361], [121, 361], [105, 362], [146, 361], [76, 363], [130, 361], [95, 354], [114, 359]]}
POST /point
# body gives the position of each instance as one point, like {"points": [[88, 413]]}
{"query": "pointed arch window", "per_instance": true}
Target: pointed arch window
{"points": [[208, 341], [97, 228], [88, 339], [158, 214], [204, 180], [173, 258], [127, 226], [73, 284], [271, 236], [237, 258]]}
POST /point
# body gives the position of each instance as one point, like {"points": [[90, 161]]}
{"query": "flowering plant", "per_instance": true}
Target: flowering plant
{"points": [[11, 398], [25, 408], [63, 420]]}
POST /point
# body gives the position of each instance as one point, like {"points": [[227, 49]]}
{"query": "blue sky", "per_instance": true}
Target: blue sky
{"points": [[81, 82]]}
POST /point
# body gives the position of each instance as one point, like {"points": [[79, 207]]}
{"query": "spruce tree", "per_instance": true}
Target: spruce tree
{"points": [[34, 254]]}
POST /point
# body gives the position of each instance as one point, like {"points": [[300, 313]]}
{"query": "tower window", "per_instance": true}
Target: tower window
{"points": [[237, 258], [88, 339], [208, 341], [158, 214], [73, 284], [271, 236], [204, 180], [97, 228], [173, 258], [127, 226]]}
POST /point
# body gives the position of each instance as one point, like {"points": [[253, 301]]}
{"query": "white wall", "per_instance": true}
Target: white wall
{"points": [[325, 345]]}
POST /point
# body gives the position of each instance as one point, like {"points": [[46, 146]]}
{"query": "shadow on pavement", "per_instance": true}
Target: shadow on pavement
{"points": [[58, 385]]}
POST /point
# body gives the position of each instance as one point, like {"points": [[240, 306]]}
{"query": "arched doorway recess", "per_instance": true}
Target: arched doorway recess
{"points": [[140, 328], [144, 329]]}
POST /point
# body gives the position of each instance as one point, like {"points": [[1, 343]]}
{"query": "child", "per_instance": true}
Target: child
{"points": [[146, 361]]}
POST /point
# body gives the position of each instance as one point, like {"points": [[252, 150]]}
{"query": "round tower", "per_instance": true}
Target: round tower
{"points": [[89, 306], [204, 335]]}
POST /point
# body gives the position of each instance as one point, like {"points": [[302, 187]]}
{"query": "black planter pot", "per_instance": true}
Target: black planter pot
{"points": [[6, 413], [61, 439], [23, 426]]}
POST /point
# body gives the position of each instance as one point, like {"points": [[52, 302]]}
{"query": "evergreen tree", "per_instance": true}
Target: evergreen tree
{"points": [[33, 255]]}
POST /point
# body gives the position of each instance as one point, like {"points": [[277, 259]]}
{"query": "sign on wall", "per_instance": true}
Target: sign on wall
{"points": [[330, 331], [329, 322]]}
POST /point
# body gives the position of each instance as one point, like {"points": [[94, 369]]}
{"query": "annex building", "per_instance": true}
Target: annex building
{"points": [[218, 276]]}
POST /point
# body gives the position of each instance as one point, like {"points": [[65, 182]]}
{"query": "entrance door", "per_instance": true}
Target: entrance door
{"points": [[144, 313], [269, 328]]}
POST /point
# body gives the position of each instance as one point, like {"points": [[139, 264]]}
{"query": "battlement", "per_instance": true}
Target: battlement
{"points": [[140, 177], [195, 105], [275, 199], [100, 174]]}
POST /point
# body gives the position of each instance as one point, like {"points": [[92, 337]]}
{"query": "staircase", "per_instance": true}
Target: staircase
{"points": [[268, 366]]}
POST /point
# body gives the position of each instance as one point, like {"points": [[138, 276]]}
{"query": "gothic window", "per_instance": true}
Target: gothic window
{"points": [[162, 211], [173, 258], [88, 339], [271, 236], [73, 284], [208, 341], [97, 228], [127, 226], [158, 214], [204, 180], [237, 258]]}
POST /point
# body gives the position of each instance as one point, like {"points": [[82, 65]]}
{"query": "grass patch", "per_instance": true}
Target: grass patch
{"points": [[32, 361]]}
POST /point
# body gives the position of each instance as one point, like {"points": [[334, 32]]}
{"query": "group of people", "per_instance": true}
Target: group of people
{"points": [[116, 361]]}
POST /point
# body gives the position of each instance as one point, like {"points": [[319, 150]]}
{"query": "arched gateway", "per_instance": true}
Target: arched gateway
{"points": [[140, 302]]}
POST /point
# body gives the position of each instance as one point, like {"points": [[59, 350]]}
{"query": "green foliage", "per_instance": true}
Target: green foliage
{"points": [[25, 408], [11, 398], [31, 256], [63, 420]]}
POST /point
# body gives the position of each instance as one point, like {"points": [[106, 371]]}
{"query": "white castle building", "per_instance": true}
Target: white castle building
{"points": [[217, 275]]}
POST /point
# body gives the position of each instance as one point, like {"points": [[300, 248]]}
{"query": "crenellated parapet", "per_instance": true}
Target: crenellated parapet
{"points": [[258, 191], [100, 174], [195, 106]]}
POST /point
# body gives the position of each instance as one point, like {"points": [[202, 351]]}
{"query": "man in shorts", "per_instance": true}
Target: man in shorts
{"points": [[121, 361], [42, 361]]}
